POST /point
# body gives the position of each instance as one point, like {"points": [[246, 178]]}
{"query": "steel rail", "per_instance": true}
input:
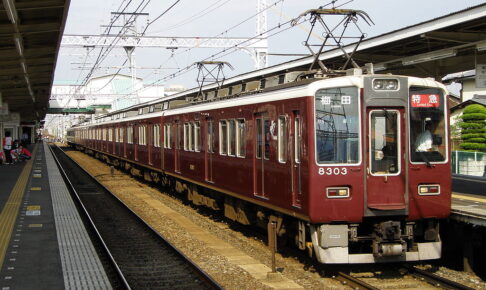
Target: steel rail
{"points": [[353, 282], [200, 273], [436, 280]]}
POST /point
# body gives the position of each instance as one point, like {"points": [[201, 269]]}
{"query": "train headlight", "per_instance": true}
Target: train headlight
{"points": [[337, 192], [385, 84], [429, 189]]}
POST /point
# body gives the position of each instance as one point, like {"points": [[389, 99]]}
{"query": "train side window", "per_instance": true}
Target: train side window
{"points": [[282, 139], [190, 131], [167, 134], [197, 137], [240, 138], [266, 129], [259, 139], [122, 130], [117, 138], [210, 135], [223, 133], [156, 135], [130, 135], [142, 138], [110, 134], [297, 139], [186, 137], [231, 137]]}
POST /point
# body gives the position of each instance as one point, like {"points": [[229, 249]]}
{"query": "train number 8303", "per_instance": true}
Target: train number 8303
{"points": [[333, 171]]}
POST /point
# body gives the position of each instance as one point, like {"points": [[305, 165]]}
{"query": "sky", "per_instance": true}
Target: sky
{"points": [[191, 18]]}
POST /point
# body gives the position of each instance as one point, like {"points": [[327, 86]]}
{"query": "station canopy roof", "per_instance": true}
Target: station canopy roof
{"points": [[30, 35]]}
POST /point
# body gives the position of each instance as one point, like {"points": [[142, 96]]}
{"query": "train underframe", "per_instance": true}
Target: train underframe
{"points": [[375, 240]]}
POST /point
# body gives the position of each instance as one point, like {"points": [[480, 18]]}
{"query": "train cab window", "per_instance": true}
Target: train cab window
{"points": [[231, 137], [337, 126], [427, 125], [384, 142], [282, 139], [197, 137], [167, 135], [223, 133], [240, 138]]}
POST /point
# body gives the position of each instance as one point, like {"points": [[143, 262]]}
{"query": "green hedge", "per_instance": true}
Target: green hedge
{"points": [[474, 116], [468, 131], [471, 125], [473, 146], [472, 135], [476, 140], [475, 108]]}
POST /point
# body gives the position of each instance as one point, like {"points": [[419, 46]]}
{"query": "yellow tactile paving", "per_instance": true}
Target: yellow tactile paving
{"points": [[252, 266], [471, 198], [11, 209]]}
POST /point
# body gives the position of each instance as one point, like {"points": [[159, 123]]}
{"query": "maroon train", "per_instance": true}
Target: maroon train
{"points": [[355, 169]]}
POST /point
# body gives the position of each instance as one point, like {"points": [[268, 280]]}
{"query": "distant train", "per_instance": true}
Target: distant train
{"points": [[354, 169]]}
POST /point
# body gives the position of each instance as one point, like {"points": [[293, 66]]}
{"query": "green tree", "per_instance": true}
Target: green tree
{"points": [[473, 125]]}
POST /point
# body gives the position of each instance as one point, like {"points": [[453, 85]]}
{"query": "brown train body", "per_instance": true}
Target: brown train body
{"points": [[333, 161]]}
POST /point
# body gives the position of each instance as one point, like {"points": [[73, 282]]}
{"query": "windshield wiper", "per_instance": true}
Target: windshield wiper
{"points": [[424, 158]]}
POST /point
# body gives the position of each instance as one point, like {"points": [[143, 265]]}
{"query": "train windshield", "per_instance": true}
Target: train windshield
{"points": [[337, 125], [427, 125]]}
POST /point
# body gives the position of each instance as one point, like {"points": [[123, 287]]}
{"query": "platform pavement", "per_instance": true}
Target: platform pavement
{"points": [[43, 244]]}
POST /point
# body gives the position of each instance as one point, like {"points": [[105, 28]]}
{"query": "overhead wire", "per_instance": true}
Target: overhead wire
{"points": [[226, 50], [142, 34], [220, 34]]}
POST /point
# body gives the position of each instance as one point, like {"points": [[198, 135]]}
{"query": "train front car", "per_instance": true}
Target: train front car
{"points": [[381, 177]]}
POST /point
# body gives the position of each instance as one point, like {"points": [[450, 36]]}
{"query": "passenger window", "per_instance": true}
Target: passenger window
{"points": [[231, 137], [297, 140], [186, 137], [223, 133], [240, 138], [122, 130], [282, 139], [259, 139], [210, 135], [167, 135], [266, 129], [197, 137]]}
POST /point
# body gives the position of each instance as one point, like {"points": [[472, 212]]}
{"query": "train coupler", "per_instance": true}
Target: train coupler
{"points": [[387, 240]]}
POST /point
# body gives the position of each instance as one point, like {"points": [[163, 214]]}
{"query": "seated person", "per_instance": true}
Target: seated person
{"points": [[424, 140], [24, 152]]}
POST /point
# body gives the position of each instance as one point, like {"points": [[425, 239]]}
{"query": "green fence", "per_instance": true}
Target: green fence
{"points": [[469, 163]]}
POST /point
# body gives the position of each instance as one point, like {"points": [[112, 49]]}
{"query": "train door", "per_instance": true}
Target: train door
{"points": [[209, 152], [178, 141], [262, 152], [296, 145], [386, 171]]}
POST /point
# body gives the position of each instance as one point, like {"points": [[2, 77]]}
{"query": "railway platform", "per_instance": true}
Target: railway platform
{"points": [[43, 242], [469, 200]]}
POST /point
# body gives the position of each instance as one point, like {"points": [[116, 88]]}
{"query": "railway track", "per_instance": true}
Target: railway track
{"points": [[353, 282], [142, 258], [435, 280]]}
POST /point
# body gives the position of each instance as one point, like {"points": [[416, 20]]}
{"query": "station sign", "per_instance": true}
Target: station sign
{"points": [[425, 101]]}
